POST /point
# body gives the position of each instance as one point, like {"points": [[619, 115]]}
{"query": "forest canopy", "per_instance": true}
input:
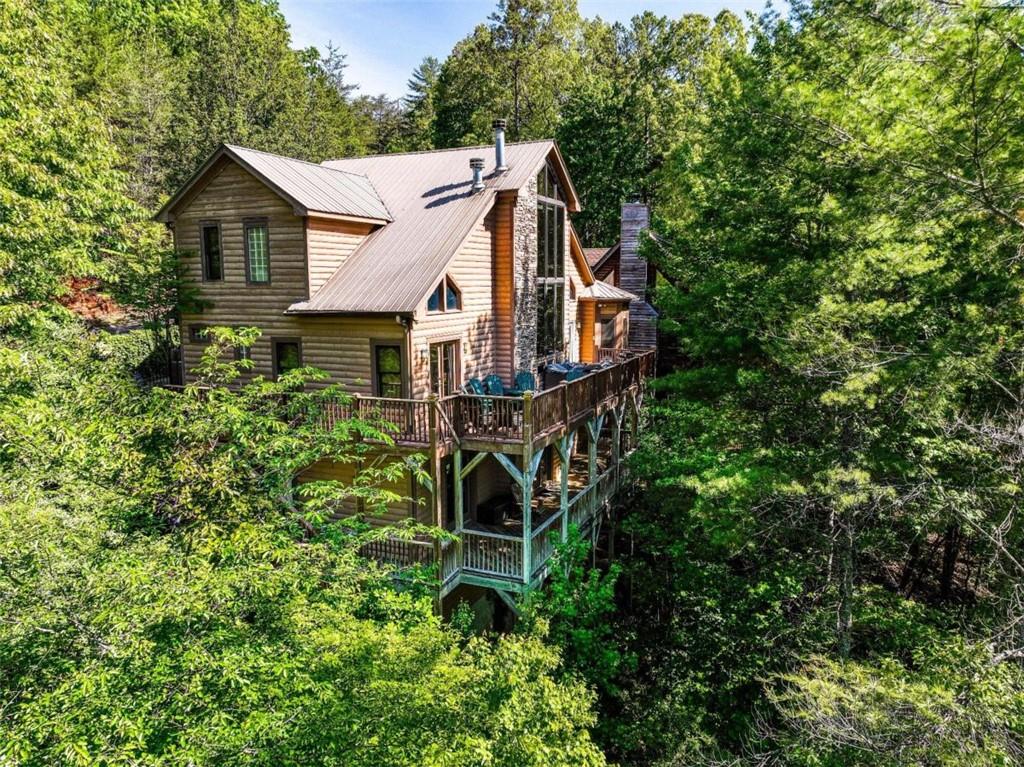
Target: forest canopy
{"points": [[822, 565]]}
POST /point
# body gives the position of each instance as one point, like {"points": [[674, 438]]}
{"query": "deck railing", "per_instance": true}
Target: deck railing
{"points": [[497, 555], [488, 417], [492, 554]]}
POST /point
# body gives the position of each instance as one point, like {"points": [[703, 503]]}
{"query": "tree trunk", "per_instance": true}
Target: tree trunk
{"points": [[845, 557], [950, 556]]}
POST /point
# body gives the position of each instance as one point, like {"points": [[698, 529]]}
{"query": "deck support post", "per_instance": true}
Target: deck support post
{"points": [[564, 448], [459, 503], [594, 427], [435, 472], [527, 487]]}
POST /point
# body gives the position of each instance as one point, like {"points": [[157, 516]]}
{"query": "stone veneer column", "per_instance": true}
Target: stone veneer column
{"points": [[524, 259], [633, 275]]}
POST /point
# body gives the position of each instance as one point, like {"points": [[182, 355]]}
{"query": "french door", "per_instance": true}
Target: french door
{"points": [[444, 368]]}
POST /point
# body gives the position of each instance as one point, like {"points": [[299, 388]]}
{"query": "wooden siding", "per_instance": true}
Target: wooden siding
{"points": [[503, 291], [474, 325], [328, 244], [345, 473], [588, 329], [573, 282], [338, 345]]}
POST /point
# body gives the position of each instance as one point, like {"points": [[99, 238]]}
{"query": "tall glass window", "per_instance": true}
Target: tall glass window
{"points": [[257, 252], [550, 265], [209, 243]]}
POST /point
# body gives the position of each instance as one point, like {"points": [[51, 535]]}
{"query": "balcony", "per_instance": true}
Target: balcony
{"points": [[506, 424]]}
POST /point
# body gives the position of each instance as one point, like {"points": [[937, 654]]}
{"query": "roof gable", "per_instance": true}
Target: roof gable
{"points": [[306, 186]]}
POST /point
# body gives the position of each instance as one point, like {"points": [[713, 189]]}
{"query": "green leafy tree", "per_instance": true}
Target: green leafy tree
{"points": [[518, 66], [60, 192], [419, 106], [168, 599]]}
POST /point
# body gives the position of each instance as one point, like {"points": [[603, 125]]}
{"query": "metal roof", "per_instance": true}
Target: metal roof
{"points": [[307, 186], [603, 291], [434, 212], [593, 255]]}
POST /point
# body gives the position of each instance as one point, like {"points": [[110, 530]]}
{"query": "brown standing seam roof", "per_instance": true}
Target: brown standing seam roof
{"points": [[433, 212], [317, 187]]}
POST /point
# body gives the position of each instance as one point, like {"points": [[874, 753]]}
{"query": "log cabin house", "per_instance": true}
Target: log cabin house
{"points": [[410, 278]]}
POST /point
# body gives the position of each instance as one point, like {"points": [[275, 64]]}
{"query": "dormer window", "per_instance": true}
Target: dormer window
{"points": [[445, 298]]}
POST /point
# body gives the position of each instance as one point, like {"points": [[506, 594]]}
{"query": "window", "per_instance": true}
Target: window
{"points": [[243, 353], [444, 368], [257, 252], [197, 334], [209, 244], [387, 370], [550, 265], [287, 355], [608, 333], [548, 186], [446, 297]]}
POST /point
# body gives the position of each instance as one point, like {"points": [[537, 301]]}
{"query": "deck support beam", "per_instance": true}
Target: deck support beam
{"points": [[460, 512], [564, 447], [509, 600], [594, 427]]}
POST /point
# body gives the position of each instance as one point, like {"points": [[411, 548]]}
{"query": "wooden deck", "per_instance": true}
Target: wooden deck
{"points": [[505, 424], [514, 556]]}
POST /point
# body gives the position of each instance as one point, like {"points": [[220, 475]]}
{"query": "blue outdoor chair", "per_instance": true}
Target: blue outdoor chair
{"points": [[493, 385], [525, 381], [575, 373], [474, 386]]}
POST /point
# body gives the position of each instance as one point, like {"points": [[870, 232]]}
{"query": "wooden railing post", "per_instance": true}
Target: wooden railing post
{"points": [[565, 402], [565, 453], [527, 483]]}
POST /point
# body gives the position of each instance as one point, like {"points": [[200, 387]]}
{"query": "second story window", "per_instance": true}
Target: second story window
{"points": [[445, 298], [550, 264], [257, 252], [210, 251]]}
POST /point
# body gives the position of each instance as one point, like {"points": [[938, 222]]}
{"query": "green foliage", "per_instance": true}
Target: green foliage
{"points": [[167, 600], [173, 80], [576, 611], [60, 197], [841, 278], [953, 707], [518, 66]]}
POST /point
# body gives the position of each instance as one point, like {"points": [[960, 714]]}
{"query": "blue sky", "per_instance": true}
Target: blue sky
{"points": [[386, 39]]}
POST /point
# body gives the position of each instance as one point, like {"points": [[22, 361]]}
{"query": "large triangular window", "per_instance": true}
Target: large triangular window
{"points": [[446, 297]]}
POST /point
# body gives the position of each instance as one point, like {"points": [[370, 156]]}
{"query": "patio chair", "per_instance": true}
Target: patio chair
{"points": [[474, 386], [575, 373], [493, 385], [525, 382]]}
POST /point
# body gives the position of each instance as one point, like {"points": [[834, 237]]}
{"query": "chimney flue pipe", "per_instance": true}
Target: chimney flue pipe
{"points": [[477, 164], [499, 146]]}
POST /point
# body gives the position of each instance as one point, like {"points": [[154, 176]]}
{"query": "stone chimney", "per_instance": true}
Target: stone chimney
{"points": [[633, 276]]}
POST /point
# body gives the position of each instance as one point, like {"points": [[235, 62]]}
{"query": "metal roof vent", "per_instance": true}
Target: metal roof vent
{"points": [[477, 164], [499, 146]]}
